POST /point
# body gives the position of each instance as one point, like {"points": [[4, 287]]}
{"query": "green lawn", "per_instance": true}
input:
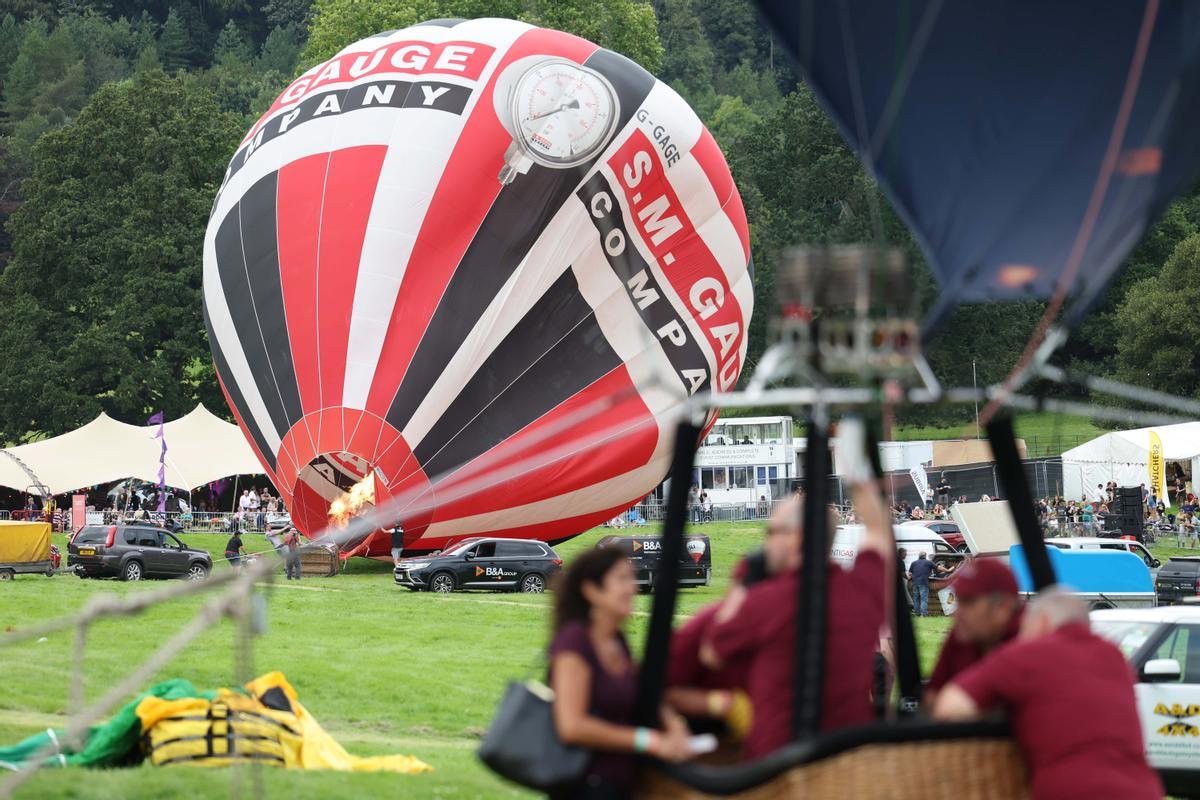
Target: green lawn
{"points": [[1045, 434], [385, 670]]}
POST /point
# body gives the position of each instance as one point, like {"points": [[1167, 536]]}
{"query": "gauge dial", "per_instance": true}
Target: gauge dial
{"points": [[564, 113]]}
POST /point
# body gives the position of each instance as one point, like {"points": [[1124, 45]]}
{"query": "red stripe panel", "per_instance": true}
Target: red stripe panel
{"points": [[298, 220], [602, 445], [708, 155], [690, 267], [349, 192], [464, 195]]}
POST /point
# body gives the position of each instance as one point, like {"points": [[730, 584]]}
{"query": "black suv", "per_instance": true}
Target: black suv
{"points": [[1179, 578], [132, 552], [645, 553], [504, 564]]}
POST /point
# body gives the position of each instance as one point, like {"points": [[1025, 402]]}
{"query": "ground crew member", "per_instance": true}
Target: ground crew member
{"points": [[988, 613], [1069, 698]]}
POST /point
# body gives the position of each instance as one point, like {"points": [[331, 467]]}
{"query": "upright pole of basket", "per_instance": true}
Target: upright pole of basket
{"points": [[812, 598], [1020, 500], [653, 675]]}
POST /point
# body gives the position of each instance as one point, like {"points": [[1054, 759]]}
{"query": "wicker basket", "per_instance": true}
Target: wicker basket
{"points": [[951, 769], [319, 561]]}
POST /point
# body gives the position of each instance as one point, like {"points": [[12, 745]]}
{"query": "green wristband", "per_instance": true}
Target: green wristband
{"points": [[641, 740]]}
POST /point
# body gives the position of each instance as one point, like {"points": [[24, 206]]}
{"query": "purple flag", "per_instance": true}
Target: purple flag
{"points": [[157, 419]]}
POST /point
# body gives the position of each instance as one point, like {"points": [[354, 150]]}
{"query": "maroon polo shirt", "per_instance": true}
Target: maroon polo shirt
{"points": [[957, 655], [763, 632], [1069, 699]]}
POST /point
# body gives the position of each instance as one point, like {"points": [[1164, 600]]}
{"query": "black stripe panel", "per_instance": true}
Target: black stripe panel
{"points": [[648, 296], [248, 263], [235, 394], [515, 221], [552, 354]]}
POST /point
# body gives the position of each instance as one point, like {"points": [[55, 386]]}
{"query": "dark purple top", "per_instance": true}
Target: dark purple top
{"points": [[612, 698]]}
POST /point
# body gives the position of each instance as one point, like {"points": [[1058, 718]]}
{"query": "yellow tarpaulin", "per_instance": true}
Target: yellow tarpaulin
{"points": [[21, 542], [270, 726]]}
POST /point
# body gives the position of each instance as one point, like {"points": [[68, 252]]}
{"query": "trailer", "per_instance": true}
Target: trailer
{"points": [[25, 549]]}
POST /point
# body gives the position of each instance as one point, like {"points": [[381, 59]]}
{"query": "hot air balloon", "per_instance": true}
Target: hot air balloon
{"points": [[479, 266]]}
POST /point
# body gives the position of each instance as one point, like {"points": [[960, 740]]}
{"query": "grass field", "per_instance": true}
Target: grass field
{"points": [[385, 670], [1045, 434]]}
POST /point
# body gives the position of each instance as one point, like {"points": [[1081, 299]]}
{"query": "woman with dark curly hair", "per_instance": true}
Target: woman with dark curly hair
{"points": [[594, 677]]}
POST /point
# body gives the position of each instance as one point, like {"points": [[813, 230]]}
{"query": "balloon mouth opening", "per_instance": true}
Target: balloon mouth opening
{"points": [[332, 489]]}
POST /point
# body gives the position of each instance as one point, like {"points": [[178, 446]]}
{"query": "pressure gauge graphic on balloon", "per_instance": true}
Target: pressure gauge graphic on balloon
{"points": [[560, 114]]}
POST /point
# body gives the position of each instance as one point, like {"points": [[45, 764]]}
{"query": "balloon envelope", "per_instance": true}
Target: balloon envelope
{"points": [[1025, 143], [482, 263]]}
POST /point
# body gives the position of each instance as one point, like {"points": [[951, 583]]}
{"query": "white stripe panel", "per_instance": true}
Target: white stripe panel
{"points": [[412, 169]]}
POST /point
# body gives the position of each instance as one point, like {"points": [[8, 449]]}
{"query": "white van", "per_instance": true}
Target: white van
{"points": [[1163, 648], [914, 538], [1098, 543]]}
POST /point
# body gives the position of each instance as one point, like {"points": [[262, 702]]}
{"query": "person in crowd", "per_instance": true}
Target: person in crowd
{"points": [[233, 549], [397, 543], [594, 678], [693, 502], [988, 615], [919, 573], [758, 624], [244, 502], [943, 490], [918, 513], [291, 540], [764, 507], [901, 561], [1069, 698]]}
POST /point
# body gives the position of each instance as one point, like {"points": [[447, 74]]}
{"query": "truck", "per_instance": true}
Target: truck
{"points": [[1102, 578]]}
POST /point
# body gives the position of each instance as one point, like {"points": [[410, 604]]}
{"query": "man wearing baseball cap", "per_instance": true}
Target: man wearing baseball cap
{"points": [[988, 615]]}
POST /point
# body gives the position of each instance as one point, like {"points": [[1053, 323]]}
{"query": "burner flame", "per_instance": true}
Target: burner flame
{"points": [[352, 502]]}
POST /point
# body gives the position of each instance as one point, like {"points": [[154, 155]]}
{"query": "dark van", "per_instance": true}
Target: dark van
{"points": [[1177, 579], [695, 568]]}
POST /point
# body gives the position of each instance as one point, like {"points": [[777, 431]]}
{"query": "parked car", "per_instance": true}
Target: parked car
{"points": [[1163, 648], [1178, 580], [947, 530], [524, 565], [132, 552], [645, 554], [1100, 543]]}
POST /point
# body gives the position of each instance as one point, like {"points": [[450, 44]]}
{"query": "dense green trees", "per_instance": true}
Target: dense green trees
{"points": [[102, 296]]}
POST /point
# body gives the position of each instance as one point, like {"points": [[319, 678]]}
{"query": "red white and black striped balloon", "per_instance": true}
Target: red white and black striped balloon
{"points": [[439, 253]]}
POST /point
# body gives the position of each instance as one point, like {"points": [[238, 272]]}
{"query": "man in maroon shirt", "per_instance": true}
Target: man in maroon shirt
{"points": [[758, 624], [988, 614], [1069, 698]]}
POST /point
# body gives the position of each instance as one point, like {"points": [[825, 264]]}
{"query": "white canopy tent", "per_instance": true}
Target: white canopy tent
{"points": [[1123, 456], [200, 448]]}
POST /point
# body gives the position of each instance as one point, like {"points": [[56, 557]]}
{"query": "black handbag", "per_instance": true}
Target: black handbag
{"points": [[522, 743]]}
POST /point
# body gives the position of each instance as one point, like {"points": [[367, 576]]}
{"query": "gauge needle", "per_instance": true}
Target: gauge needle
{"points": [[574, 103]]}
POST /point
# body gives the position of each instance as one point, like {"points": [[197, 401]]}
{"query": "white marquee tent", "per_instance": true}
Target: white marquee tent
{"points": [[1122, 456], [200, 448]]}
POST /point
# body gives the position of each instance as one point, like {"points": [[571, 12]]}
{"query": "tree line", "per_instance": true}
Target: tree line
{"points": [[117, 120]]}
